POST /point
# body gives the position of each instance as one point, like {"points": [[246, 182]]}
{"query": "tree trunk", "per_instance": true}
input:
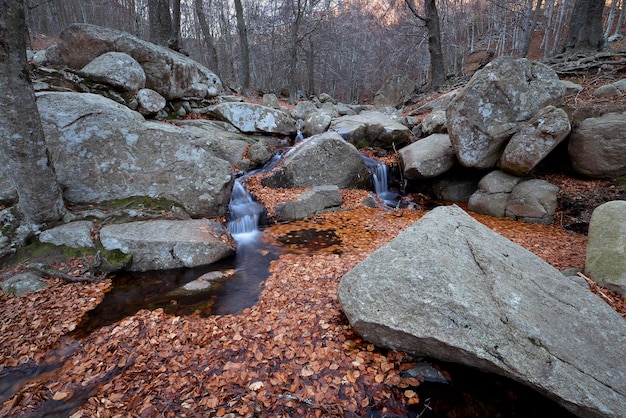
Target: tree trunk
{"points": [[530, 30], [174, 41], [208, 38], [24, 151], [585, 27], [160, 21], [437, 65], [245, 49]]}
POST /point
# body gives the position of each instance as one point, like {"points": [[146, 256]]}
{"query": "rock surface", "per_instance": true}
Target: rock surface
{"points": [[495, 103], [428, 157], [169, 73], [324, 159], [160, 245], [597, 147], [253, 118], [371, 129], [606, 246], [450, 288], [316, 200], [74, 234], [493, 192], [117, 69], [103, 151], [532, 201]]}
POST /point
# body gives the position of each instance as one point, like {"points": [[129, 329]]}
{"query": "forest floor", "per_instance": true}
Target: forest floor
{"points": [[291, 354]]}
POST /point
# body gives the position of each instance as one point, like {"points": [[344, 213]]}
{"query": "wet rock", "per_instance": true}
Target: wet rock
{"points": [[203, 284], [606, 246], [160, 245], [450, 288]]}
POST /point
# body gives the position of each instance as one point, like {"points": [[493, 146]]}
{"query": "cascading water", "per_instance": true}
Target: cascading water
{"points": [[380, 174], [244, 213]]}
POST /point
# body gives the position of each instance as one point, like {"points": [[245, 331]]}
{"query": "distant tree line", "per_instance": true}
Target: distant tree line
{"points": [[347, 48]]}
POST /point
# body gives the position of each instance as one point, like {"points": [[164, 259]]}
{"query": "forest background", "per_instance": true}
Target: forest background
{"points": [[346, 48]]}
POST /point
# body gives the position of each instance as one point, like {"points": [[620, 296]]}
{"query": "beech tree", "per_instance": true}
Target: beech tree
{"points": [[585, 27], [24, 151], [243, 44]]}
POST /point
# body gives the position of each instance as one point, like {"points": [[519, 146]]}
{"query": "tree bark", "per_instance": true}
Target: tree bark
{"points": [[585, 27], [437, 65], [160, 21], [24, 151], [245, 49], [174, 41], [208, 38], [530, 30]]}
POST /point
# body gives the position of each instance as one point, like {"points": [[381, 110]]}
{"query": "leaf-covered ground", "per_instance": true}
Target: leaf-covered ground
{"points": [[291, 354]]}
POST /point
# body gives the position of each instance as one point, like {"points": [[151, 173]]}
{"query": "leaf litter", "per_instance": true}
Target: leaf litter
{"points": [[292, 354]]}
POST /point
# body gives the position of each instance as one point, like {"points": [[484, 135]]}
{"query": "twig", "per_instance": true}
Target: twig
{"points": [[52, 272], [603, 295]]}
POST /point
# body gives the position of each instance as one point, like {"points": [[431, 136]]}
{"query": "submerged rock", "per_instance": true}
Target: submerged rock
{"points": [[450, 288]]}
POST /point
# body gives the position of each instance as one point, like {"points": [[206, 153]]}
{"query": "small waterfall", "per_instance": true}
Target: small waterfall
{"points": [[244, 214], [380, 174]]}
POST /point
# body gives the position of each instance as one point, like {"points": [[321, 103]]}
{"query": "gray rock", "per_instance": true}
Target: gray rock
{"points": [[440, 103], [493, 192], [203, 284], [454, 189], [500, 97], [571, 88], [270, 100], [435, 122], [318, 199], [150, 101], [74, 234], [428, 157], [597, 147], [606, 246], [227, 144], [260, 153], [104, 151], [169, 73], [303, 109], [450, 288], [371, 128], [608, 91], [535, 140], [22, 284], [161, 244], [316, 123], [252, 118], [532, 201], [321, 160], [8, 193], [621, 85], [117, 69]]}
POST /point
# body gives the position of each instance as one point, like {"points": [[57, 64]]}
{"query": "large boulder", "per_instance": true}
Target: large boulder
{"points": [[428, 157], [597, 147], [117, 69], [495, 104], [493, 192], [450, 288], [161, 245], [318, 199], [532, 201], [606, 246], [171, 74], [324, 159], [253, 118], [104, 151], [371, 129], [535, 140]]}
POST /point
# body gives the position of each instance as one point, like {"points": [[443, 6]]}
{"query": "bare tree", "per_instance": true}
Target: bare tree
{"points": [[431, 19], [174, 41], [585, 27], [160, 21], [24, 151], [245, 48], [530, 29], [208, 37]]}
